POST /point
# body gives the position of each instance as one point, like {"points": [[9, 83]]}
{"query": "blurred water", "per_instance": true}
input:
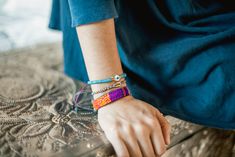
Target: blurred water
{"points": [[24, 23]]}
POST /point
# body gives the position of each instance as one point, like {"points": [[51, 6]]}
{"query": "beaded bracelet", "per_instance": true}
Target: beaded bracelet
{"points": [[115, 78], [115, 85], [110, 97]]}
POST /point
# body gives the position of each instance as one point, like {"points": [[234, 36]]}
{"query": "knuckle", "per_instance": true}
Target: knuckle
{"points": [[167, 126], [158, 112], [128, 129], [141, 128], [167, 122], [154, 124], [151, 120]]}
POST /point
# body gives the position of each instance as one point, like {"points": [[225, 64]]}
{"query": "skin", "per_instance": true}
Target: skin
{"points": [[133, 127]]}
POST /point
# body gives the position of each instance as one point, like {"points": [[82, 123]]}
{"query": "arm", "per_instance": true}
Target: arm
{"points": [[99, 49], [143, 133]]}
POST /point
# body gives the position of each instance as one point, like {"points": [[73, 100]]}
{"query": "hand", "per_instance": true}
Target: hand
{"points": [[134, 128]]}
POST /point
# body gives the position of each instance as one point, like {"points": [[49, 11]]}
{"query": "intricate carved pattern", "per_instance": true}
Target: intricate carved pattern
{"points": [[22, 88], [35, 110], [36, 117]]}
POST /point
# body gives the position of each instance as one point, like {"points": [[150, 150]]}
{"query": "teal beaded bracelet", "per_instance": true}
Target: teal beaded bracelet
{"points": [[115, 78]]}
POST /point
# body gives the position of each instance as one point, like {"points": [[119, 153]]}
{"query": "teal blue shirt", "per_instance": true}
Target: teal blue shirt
{"points": [[179, 55]]}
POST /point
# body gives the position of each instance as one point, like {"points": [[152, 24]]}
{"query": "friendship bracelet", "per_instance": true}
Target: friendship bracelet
{"points": [[82, 99], [115, 85], [115, 78], [110, 97]]}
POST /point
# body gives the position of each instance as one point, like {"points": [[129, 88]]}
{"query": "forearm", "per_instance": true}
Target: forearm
{"points": [[99, 48], [147, 131]]}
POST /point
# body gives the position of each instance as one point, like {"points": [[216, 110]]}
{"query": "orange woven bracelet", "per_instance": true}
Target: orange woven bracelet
{"points": [[110, 97]]}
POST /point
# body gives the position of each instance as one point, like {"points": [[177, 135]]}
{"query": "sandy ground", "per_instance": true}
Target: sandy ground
{"points": [[25, 23]]}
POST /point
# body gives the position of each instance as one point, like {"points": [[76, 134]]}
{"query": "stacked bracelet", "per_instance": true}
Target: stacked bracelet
{"points": [[115, 78], [113, 95], [110, 97], [115, 85]]}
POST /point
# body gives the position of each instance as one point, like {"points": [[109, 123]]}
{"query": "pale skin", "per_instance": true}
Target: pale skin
{"points": [[133, 127]]}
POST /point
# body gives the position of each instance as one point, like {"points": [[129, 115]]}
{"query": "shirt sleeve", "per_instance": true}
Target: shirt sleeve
{"points": [[89, 11], [55, 19]]}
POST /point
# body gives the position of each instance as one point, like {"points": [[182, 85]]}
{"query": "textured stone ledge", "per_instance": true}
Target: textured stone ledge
{"points": [[36, 117]]}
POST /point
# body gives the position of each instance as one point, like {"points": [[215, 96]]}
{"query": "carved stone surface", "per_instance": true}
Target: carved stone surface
{"points": [[206, 143], [35, 108], [36, 118]]}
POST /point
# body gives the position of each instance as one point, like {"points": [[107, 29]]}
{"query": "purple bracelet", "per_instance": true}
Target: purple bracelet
{"points": [[110, 97]]}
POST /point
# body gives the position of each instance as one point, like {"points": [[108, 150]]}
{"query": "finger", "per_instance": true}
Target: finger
{"points": [[118, 144], [157, 138], [143, 136], [131, 142], [166, 127]]}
